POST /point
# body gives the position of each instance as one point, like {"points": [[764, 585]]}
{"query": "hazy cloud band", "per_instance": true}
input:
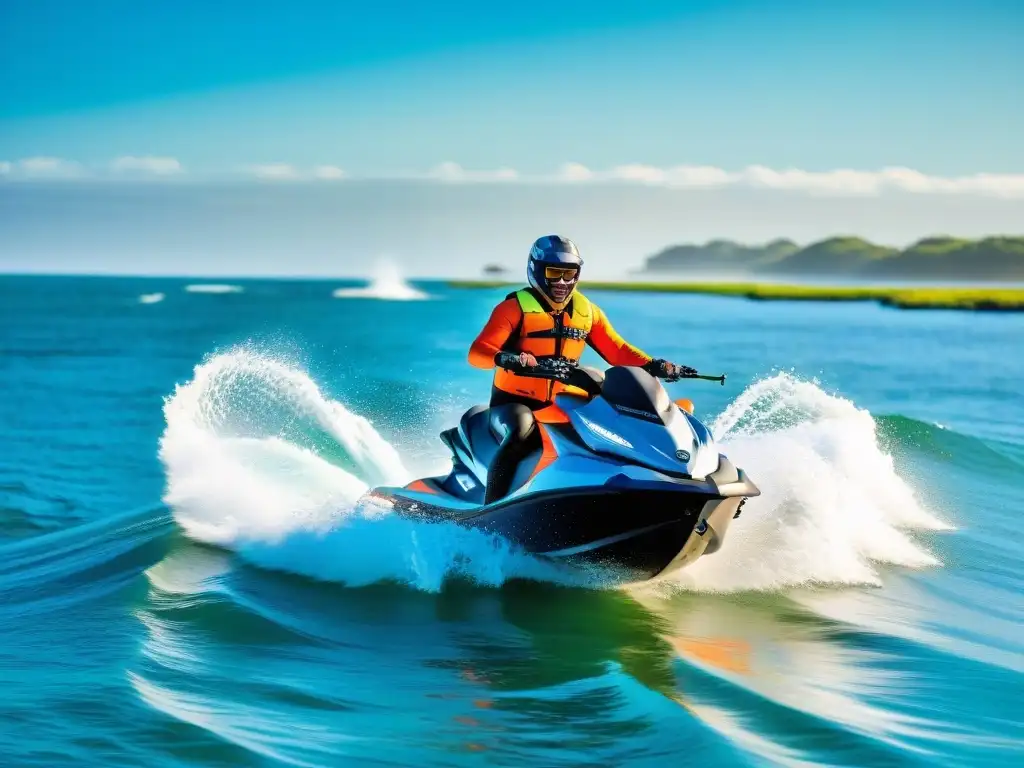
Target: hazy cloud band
{"points": [[840, 182]]}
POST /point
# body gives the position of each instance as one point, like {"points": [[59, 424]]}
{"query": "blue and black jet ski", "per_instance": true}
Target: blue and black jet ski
{"points": [[622, 478]]}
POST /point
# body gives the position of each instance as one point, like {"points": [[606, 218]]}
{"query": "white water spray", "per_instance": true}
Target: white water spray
{"points": [[387, 284], [259, 460], [252, 450], [213, 288], [832, 508]]}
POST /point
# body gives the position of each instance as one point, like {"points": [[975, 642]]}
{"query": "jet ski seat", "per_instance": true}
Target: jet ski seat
{"points": [[476, 434]]}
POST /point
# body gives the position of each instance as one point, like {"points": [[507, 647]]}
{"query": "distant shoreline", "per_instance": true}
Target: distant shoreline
{"points": [[984, 297], [994, 259], [961, 298]]}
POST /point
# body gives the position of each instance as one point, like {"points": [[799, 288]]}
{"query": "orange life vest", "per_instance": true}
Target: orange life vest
{"points": [[545, 334]]}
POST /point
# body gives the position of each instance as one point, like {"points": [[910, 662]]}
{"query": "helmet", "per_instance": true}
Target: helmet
{"points": [[551, 258]]}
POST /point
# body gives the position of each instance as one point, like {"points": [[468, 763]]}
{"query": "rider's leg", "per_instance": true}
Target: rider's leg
{"points": [[517, 430]]}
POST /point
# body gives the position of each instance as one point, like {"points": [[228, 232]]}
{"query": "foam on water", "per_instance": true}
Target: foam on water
{"points": [[241, 474], [259, 460], [213, 288], [832, 507], [151, 298], [387, 285]]}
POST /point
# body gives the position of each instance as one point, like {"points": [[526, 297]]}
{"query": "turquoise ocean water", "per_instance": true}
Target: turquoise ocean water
{"points": [[186, 580]]}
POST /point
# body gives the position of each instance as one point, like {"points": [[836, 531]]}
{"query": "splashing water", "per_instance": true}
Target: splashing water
{"points": [[252, 450], [387, 284], [214, 288], [259, 460], [831, 507]]}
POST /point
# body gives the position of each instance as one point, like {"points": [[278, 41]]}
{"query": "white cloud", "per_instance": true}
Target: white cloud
{"points": [[840, 182], [275, 171], [643, 173], [843, 182], [678, 176], [574, 172], [328, 172], [453, 172], [847, 181], [159, 166], [48, 167], [289, 172]]}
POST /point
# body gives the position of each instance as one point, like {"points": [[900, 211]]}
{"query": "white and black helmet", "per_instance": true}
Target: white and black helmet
{"points": [[552, 251]]}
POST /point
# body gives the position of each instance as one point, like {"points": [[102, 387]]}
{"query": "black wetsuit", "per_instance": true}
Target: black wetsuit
{"points": [[515, 415]]}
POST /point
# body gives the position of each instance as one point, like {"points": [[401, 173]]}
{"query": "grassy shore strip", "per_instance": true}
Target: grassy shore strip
{"points": [[979, 299]]}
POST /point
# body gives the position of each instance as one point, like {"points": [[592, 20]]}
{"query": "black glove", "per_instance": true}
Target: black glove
{"points": [[512, 361], [666, 370], [555, 367], [680, 371]]}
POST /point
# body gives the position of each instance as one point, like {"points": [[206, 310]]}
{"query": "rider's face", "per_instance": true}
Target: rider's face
{"points": [[560, 290], [561, 282]]}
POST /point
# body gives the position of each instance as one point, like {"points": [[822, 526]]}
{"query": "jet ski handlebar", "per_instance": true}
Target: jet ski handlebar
{"points": [[558, 368], [563, 369], [720, 379]]}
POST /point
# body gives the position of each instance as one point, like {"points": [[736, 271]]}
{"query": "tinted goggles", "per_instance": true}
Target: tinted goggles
{"points": [[569, 274]]}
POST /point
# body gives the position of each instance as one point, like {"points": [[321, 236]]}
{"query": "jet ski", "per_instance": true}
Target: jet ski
{"points": [[619, 477]]}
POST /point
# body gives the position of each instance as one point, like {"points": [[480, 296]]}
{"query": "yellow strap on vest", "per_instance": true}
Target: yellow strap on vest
{"points": [[527, 302], [580, 305]]}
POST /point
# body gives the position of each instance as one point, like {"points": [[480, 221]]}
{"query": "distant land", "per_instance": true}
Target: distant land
{"points": [[986, 298], [996, 259], [858, 270]]}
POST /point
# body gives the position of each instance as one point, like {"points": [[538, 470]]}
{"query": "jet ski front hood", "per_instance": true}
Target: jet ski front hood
{"points": [[674, 442]]}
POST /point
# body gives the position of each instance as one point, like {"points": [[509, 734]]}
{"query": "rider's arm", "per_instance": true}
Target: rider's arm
{"points": [[499, 327], [608, 344]]}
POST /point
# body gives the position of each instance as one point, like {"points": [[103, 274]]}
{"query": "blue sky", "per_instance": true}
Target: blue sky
{"points": [[299, 137], [399, 87]]}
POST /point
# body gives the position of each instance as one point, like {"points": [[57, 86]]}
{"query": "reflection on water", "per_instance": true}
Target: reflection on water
{"points": [[302, 671]]}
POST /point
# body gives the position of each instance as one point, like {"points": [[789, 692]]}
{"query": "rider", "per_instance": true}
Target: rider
{"points": [[548, 320]]}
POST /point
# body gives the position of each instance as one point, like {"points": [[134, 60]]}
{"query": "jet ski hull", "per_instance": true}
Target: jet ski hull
{"points": [[626, 481], [632, 535]]}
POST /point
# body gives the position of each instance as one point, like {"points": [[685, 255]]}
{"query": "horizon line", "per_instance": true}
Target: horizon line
{"points": [[836, 182], [638, 271]]}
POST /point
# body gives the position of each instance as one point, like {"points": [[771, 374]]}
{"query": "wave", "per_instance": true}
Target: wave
{"points": [[943, 444], [832, 506], [387, 285], [258, 459], [55, 569], [151, 298], [213, 288], [252, 450]]}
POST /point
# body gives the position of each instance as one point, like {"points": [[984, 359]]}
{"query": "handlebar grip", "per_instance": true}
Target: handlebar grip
{"points": [[719, 379], [558, 368]]}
